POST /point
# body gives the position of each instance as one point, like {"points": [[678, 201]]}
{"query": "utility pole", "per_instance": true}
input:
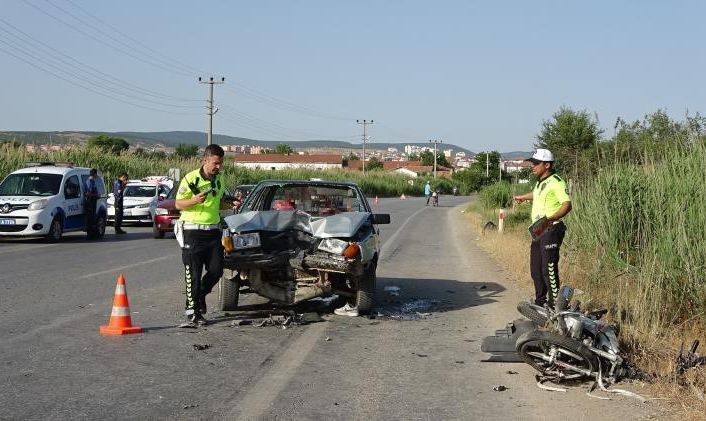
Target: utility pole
{"points": [[435, 142], [211, 109], [365, 124], [487, 165]]}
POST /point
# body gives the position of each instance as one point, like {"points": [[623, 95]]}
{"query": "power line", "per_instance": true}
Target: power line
{"points": [[51, 52], [365, 124], [170, 69], [86, 87], [210, 108], [98, 84]]}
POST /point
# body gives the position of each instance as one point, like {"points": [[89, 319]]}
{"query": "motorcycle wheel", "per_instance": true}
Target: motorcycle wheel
{"points": [[572, 360], [537, 314]]}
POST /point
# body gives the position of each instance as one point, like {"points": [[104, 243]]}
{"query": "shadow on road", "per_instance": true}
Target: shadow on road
{"points": [[408, 298]]}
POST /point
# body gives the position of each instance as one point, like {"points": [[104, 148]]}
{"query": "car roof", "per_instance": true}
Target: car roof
{"points": [[322, 183], [142, 184], [52, 169]]}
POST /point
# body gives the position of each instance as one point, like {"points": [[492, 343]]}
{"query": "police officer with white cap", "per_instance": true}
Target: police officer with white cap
{"points": [[550, 203]]}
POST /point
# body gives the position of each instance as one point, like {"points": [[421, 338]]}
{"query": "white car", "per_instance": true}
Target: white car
{"points": [[140, 200], [47, 199]]}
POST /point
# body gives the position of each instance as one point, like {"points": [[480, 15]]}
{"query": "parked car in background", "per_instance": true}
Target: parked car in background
{"points": [[46, 199], [296, 240], [165, 214], [140, 199]]}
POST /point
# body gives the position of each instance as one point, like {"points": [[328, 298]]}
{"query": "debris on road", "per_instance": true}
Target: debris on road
{"points": [[500, 388], [413, 309], [201, 347], [327, 339], [420, 355], [511, 372], [392, 290], [193, 405]]}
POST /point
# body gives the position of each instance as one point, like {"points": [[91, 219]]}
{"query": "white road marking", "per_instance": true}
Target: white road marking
{"points": [[25, 248], [118, 269], [387, 244], [259, 398]]}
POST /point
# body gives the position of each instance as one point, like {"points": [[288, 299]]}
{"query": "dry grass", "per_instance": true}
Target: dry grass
{"points": [[654, 352]]}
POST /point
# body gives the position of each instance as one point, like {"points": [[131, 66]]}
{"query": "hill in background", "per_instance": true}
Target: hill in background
{"points": [[150, 140]]}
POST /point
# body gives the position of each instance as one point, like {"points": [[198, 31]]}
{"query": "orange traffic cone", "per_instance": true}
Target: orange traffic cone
{"points": [[403, 197], [120, 322], [376, 200]]}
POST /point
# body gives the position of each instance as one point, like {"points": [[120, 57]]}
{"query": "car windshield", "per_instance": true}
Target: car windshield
{"points": [[32, 184], [317, 200], [140, 191]]}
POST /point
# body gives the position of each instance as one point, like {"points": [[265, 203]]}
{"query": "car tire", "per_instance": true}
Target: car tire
{"points": [[56, 230], [99, 231], [365, 295], [228, 290], [156, 232]]}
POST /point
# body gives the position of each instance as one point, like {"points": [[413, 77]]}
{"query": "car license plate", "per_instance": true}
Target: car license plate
{"points": [[7, 221]]}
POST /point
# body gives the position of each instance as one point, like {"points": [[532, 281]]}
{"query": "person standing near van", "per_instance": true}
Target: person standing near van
{"points": [[118, 194], [199, 199], [91, 199]]}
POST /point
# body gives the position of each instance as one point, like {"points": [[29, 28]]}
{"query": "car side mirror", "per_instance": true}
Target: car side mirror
{"points": [[381, 218]]}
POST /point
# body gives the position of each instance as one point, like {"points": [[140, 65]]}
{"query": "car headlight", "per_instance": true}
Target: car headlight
{"points": [[246, 241], [333, 245], [38, 204]]}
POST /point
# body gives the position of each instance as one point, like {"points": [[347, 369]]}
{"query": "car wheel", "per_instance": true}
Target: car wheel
{"points": [[228, 290], [56, 230], [98, 231], [365, 295], [100, 227], [156, 232]]}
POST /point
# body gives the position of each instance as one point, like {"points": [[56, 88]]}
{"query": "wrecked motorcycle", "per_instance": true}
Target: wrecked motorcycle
{"points": [[571, 345]]}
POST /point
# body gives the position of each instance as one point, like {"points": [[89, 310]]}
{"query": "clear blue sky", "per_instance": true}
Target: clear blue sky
{"points": [[482, 75]]}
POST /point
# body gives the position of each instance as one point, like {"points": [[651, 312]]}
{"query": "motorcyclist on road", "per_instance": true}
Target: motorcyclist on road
{"points": [[427, 192]]}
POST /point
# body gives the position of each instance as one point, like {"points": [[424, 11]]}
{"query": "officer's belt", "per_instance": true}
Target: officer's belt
{"points": [[190, 226]]}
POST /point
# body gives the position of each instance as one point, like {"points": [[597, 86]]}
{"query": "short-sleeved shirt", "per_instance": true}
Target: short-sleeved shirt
{"points": [[118, 189], [548, 196], [91, 188], [208, 211]]}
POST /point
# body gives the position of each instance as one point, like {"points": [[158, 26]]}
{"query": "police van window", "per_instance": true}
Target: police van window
{"points": [[100, 186], [72, 189], [31, 185]]}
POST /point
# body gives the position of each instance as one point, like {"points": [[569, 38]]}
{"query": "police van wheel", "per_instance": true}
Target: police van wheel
{"points": [[228, 290], [56, 230]]}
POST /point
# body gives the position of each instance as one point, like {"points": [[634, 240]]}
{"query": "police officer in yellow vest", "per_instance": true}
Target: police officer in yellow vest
{"points": [[550, 202], [199, 198]]}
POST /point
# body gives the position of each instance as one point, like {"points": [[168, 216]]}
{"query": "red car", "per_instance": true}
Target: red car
{"points": [[165, 215]]}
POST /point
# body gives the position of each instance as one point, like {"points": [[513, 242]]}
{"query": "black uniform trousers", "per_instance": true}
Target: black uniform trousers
{"points": [[201, 248], [544, 264], [118, 216]]}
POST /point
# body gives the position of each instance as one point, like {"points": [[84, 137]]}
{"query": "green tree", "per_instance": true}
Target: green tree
{"points": [[427, 158], [184, 150], [283, 149], [374, 164], [568, 134], [413, 157], [351, 157], [107, 143]]}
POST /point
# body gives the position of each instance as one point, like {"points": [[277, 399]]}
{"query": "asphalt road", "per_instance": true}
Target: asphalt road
{"points": [[55, 365]]}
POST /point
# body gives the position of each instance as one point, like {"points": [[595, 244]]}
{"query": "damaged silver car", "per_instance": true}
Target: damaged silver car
{"points": [[296, 240]]}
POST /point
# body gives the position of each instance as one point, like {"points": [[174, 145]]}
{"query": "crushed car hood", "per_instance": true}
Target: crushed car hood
{"points": [[340, 225], [269, 221]]}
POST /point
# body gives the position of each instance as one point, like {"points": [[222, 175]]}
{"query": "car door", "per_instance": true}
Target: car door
{"points": [[73, 204]]}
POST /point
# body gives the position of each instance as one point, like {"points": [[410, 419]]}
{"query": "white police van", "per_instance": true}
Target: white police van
{"points": [[47, 199]]}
